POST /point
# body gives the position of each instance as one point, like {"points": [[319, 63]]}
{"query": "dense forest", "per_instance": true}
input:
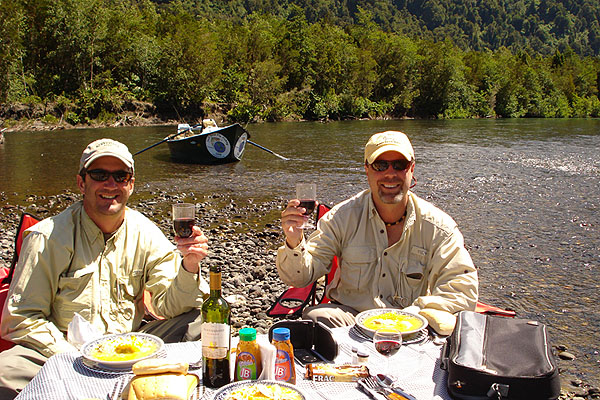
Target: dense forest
{"points": [[87, 61]]}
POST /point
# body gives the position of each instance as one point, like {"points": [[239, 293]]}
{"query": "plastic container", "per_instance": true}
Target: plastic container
{"points": [[363, 357], [285, 369], [248, 364]]}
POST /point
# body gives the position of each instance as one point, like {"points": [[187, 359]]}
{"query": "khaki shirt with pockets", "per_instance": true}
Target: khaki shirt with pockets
{"points": [[65, 267], [428, 267]]}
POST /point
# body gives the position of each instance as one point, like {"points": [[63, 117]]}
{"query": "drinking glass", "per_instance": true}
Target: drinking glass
{"points": [[184, 218], [307, 194], [387, 343]]}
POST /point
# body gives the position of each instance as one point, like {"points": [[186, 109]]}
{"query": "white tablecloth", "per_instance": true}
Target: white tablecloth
{"points": [[65, 376]]}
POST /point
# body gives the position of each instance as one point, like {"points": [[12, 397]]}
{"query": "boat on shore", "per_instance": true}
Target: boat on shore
{"points": [[207, 143]]}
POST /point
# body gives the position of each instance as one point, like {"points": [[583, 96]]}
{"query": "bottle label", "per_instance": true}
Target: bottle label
{"points": [[215, 340], [245, 367], [283, 366]]}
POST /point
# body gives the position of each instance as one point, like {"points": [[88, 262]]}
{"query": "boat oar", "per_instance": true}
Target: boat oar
{"points": [[267, 150], [167, 138]]}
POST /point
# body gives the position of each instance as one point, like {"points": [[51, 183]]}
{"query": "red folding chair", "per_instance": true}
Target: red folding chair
{"points": [[6, 274], [292, 301]]}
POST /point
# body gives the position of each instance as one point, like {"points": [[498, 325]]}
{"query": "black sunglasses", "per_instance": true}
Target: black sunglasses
{"points": [[101, 175], [383, 165]]}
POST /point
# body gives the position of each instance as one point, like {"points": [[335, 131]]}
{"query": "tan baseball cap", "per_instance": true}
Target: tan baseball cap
{"points": [[381, 142], [105, 147]]}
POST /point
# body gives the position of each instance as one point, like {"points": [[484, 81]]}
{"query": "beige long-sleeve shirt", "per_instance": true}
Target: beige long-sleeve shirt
{"points": [[428, 267], [65, 267]]}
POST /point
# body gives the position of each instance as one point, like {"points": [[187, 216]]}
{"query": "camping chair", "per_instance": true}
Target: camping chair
{"points": [[6, 274], [292, 302]]}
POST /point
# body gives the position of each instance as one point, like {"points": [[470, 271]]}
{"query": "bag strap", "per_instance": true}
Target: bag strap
{"points": [[498, 391]]}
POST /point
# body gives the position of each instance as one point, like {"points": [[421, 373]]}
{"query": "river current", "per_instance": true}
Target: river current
{"points": [[525, 194]]}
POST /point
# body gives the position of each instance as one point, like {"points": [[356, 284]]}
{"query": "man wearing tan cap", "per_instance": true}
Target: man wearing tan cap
{"points": [[394, 249], [97, 258]]}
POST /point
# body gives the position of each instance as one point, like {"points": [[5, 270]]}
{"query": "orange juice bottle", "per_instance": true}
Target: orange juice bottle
{"points": [[285, 369], [248, 364]]}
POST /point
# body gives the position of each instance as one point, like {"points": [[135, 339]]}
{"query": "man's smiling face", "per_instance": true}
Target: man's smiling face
{"points": [[389, 186], [107, 198]]}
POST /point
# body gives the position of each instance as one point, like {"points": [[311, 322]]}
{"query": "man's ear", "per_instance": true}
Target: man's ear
{"points": [[132, 181], [81, 184]]}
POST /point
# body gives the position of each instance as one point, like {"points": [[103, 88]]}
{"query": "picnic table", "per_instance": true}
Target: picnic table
{"points": [[417, 367]]}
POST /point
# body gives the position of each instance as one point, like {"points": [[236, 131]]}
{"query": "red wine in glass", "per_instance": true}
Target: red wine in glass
{"points": [[388, 347], [183, 226], [309, 205]]}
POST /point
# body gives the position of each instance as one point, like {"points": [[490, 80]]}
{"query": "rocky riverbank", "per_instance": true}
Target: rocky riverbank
{"points": [[243, 241]]}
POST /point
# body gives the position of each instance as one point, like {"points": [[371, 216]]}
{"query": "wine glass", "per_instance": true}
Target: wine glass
{"points": [[307, 194], [184, 218], [387, 343]]}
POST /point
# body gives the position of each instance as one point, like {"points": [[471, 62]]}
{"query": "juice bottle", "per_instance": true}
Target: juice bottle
{"points": [[284, 360], [248, 365]]}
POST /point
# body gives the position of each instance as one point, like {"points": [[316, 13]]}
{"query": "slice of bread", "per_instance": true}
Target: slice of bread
{"points": [[153, 366], [167, 386], [440, 321]]}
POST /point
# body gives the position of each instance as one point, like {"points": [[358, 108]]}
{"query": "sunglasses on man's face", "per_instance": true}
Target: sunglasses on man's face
{"points": [[101, 175], [383, 165]]}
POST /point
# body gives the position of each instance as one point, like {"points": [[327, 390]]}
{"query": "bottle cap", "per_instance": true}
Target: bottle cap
{"points": [[280, 334], [247, 334]]}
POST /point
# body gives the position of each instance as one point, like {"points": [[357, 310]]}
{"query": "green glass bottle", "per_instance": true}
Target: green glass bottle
{"points": [[216, 334]]}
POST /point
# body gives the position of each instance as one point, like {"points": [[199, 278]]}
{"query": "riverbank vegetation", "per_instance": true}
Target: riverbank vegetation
{"points": [[112, 61]]}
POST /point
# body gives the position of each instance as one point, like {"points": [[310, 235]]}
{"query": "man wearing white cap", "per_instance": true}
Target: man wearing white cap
{"points": [[96, 259], [394, 249]]}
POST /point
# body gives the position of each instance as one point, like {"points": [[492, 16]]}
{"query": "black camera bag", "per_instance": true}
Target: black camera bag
{"points": [[491, 357]]}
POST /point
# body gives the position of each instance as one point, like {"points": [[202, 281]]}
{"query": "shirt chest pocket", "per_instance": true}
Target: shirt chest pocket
{"points": [[415, 267], [130, 285], [75, 288], [356, 262]]}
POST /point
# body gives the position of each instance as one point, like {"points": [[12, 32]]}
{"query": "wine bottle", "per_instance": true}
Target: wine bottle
{"points": [[216, 334]]}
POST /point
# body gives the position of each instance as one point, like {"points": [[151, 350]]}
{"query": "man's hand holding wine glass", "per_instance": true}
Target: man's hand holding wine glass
{"points": [[296, 216], [193, 249], [191, 241]]}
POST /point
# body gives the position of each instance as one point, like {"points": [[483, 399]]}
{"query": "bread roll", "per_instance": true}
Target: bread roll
{"points": [[153, 366], [440, 321], [168, 386]]}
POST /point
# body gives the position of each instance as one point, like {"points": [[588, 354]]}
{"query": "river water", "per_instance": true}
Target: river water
{"points": [[525, 194]]}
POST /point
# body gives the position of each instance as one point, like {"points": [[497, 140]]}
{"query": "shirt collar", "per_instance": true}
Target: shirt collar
{"points": [[92, 231], [410, 209]]}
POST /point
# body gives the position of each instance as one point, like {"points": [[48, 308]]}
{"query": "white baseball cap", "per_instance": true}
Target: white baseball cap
{"points": [[106, 147], [381, 142]]}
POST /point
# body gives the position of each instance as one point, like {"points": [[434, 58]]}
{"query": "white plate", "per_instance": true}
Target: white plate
{"points": [[87, 349], [361, 317], [226, 390]]}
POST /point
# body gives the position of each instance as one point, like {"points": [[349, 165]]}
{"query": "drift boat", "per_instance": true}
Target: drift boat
{"points": [[208, 143]]}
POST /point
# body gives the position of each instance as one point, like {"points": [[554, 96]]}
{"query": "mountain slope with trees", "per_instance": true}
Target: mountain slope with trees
{"points": [[542, 25], [94, 61]]}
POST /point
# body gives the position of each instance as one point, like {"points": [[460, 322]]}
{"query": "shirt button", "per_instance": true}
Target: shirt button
{"points": [[385, 253], [382, 231], [383, 275], [295, 255], [381, 296]]}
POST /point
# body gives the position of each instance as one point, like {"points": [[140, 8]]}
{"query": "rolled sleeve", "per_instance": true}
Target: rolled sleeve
{"points": [[453, 278]]}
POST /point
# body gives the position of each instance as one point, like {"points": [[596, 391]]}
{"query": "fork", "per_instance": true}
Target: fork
{"points": [[370, 383]]}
